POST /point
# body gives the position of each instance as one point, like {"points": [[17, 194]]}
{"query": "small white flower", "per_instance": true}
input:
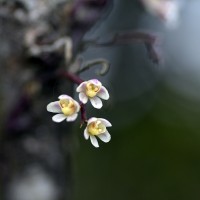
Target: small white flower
{"points": [[97, 127], [67, 108], [92, 90]]}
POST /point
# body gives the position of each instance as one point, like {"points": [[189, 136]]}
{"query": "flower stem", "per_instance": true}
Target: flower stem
{"points": [[72, 77], [83, 114]]}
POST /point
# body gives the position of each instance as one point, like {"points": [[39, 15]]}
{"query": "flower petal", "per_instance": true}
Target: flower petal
{"points": [[81, 87], [105, 122], [58, 118], [54, 107], [94, 141], [95, 82], [103, 93], [72, 117], [64, 96], [105, 137], [92, 119], [86, 135], [96, 102], [83, 98]]}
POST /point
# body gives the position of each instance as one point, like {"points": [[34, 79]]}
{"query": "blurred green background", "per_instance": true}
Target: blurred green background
{"points": [[156, 158], [155, 111]]}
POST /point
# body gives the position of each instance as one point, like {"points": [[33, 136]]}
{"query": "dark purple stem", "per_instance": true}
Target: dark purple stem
{"points": [[72, 77], [151, 41], [136, 36], [83, 114]]}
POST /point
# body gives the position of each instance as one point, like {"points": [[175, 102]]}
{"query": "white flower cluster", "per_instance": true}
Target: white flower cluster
{"points": [[67, 109]]}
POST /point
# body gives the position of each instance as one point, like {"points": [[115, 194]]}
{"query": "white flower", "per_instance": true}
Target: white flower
{"points": [[67, 108], [97, 127], [92, 90]]}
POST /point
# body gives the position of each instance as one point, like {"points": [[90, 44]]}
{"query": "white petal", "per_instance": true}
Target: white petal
{"points": [[58, 118], [54, 107], [94, 141], [64, 96], [86, 135], [105, 137], [96, 102], [72, 117], [81, 87], [92, 119], [83, 98], [103, 93], [95, 82], [105, 122]]}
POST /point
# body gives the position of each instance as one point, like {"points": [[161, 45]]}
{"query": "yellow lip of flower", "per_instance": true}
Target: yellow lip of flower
{"points": [[67, 106], [96, 128], [92, 89]]}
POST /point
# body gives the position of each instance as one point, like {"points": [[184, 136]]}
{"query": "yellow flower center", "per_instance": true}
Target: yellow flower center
{"points": [[96, 128], [68, 106], [91, 89]]}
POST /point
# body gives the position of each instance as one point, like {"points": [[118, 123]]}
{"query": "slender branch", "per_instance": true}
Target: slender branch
{"points": [[135, 36], [105, 66], [72, 77], [123, 38], [120, 38], [83, 114]]}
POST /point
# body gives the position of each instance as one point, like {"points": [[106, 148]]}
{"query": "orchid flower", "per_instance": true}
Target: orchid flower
{"points": [[92, 90], [96, 127], [67, 108]]}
